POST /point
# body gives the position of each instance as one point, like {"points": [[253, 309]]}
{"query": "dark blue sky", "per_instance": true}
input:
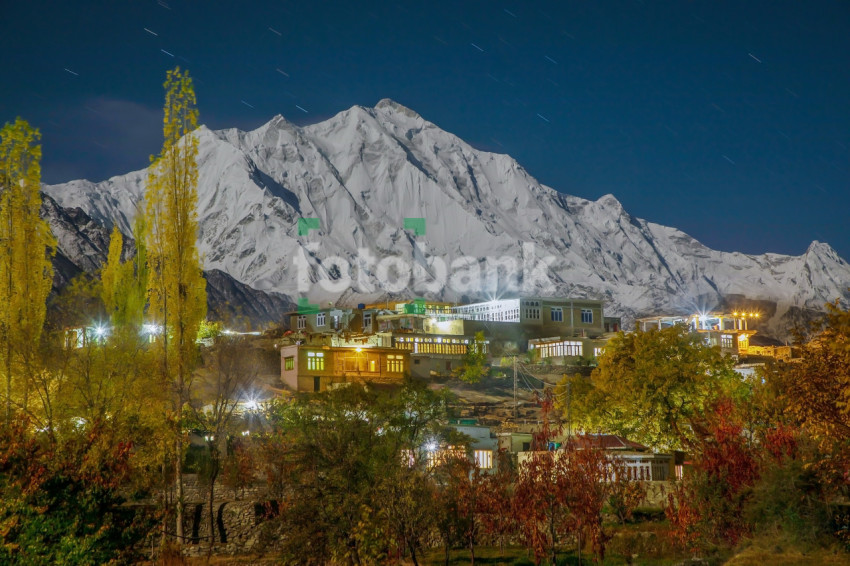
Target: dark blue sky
{"points": [[728, 120]]}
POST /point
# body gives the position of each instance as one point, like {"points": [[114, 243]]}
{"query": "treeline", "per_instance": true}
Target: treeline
{"points": [[96, 399], [769, 454], [364, 476]]}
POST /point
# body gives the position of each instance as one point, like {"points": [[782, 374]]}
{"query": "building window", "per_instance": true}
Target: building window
{"points": [[395, 363], [367, 321], [315, 361], [335, 320], [289, 363], [532, 310], [557, 314], [726, 341], [559, 349], [484, 459], [586, 316], [320, 319], [598, 352], [301, 323]]}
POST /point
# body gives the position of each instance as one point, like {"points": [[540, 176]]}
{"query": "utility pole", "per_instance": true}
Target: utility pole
{"points": [[516, 407], [569, 408]]}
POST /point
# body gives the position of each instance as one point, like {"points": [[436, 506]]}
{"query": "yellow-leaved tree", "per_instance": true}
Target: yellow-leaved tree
{"points": [[124, 284], [176, 287], [26, 271]]}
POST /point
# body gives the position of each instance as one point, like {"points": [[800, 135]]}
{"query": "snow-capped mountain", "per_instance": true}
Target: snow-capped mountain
{"points": [[365, 171], [83, 244]]}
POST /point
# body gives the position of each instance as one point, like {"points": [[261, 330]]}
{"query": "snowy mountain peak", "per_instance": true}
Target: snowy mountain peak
{"points": [[388, 105], [366, 172]]}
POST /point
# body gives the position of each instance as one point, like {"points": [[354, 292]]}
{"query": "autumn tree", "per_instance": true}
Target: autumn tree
{"points": [[350, 469], [61, 503], [708, 505], [227, 380], [124, 281], [496, 501], [541, 494], [541, 504], [176, 288], [474, 366], [26, 271], [654, 387]]}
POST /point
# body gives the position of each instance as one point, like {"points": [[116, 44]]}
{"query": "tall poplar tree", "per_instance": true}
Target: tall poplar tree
{"points": [[176, 287], [124, 284], [116, 277], [26, 249]]}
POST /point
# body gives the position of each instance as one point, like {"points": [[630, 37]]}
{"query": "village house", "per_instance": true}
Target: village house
{"points": [[730, 331], [639, 461], [438, 335], [319, 368]]}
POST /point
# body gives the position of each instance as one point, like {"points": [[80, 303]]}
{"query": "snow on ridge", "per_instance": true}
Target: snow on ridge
{"points": [[364, 170]]}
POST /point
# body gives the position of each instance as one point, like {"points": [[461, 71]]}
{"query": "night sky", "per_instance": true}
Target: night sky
{"points": [[728, 120]]}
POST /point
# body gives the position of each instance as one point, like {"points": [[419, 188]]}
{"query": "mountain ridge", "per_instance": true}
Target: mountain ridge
{"points": [[364, 170]]}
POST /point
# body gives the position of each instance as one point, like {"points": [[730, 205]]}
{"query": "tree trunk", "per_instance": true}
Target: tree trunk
{"points": [[212, 514], [552, 534], [579, 545], [214, 465], [178, 470], [413, 554]]}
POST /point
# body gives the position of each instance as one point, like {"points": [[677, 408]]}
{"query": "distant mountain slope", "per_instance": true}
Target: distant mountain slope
{"points": [[362, 172], [83, 244]]}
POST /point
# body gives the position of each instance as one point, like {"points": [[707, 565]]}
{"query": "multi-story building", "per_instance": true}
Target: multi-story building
{"points": [[436, 336], [318, 368], [729, 331]]}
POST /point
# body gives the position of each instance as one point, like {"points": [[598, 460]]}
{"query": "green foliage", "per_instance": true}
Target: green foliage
{"points": [[209, 330], [654, 387], [124, 282], [789, 499], [355, 462], [475, 365], [27, 247], [176, 288], [59, 503]]}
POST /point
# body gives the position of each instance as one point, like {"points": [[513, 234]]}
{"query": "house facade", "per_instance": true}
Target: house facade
{"points": [[319, 368], [435, 337], [730, 331]]}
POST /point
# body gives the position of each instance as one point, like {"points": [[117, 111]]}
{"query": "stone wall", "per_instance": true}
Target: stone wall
{"points": [[237, 517]]}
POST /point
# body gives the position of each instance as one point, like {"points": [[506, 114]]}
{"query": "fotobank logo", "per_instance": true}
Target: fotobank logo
{"points": [[419, 271]]}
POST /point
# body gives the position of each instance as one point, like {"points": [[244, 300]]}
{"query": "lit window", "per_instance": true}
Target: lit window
{"points": [[395, 363], [587, 316], [557, 314], [726, 341], [315, 361], [320, 319], [289, 363], [302, 322], [367, 321], [558, 349], [598, 352], [484, 459]]}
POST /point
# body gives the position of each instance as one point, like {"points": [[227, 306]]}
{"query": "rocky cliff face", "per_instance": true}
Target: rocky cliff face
{"points": [[487, 227], [82, 246]]}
